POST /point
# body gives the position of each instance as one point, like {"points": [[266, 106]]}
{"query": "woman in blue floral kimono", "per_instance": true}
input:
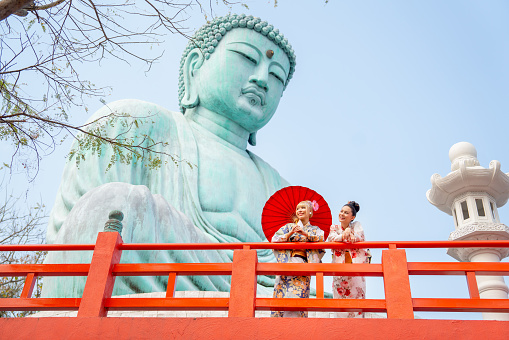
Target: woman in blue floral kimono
{"points": [[300, 231], [349, 287]]}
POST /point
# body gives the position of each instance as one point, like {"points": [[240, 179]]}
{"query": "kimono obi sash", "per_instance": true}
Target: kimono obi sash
{"points": [[300, 253]]}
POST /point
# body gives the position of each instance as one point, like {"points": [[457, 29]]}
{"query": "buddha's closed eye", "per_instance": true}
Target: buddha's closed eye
{"points": [[277, 77], [246, 56]]}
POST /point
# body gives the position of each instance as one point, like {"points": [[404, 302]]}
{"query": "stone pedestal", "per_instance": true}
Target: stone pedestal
{"points": [[490, 287]]}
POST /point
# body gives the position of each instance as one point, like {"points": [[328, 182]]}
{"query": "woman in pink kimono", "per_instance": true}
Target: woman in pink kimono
{"points": [[348, 231], [300, 231]]}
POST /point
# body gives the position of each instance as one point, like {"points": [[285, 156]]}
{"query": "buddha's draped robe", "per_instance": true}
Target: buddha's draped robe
{"points": [[159, 206]]}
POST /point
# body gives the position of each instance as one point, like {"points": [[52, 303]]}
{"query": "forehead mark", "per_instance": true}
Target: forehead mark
{"points": [[279, 56]]}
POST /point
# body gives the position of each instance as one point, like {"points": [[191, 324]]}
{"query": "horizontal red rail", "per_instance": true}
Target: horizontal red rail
{"points": [[316, 245], [39, 304], [460, 305], [47, 247], [322, 305], [167, 304], [328, 269], [44, 269], [155, 269], [451, 268], [263, 245]]}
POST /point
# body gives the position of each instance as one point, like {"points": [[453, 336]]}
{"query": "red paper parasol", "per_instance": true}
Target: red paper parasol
{"points": [[280, 210]]}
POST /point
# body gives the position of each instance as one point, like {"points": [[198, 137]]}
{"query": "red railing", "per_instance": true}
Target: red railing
{"points": [[242, 302]]}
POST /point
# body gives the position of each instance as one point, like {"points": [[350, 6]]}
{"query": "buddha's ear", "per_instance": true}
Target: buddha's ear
{"points": [[192, 63]]}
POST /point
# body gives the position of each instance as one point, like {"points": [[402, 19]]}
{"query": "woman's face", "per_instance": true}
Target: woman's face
{"points": [[303, 212], [345, 215]]}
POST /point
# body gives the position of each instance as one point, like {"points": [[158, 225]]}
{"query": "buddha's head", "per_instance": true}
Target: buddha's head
{"points": [[236, 66]]}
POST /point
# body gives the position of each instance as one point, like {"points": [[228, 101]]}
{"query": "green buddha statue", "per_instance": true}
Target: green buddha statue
{"points": [[232, 76]]}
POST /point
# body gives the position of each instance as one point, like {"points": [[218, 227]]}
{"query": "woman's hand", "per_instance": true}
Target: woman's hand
{"points": [[297, 229], [303, 233], [348, 236], [286, 238]]}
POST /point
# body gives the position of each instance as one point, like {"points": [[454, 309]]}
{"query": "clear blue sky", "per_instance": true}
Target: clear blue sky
{"points": [[382, 90]]}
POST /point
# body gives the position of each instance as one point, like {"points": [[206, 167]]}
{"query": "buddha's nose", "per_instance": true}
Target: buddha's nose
{"points": [[260, 78]]}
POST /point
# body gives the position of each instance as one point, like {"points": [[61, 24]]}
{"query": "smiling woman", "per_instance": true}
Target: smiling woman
{"points": [[299, 231], [349, 231]]}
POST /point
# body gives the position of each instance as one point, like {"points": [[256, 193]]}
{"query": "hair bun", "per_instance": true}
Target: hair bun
{"points": [[355, 205]]}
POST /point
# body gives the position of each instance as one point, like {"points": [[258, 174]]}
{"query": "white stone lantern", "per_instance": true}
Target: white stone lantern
{"points": [[472, 194]]}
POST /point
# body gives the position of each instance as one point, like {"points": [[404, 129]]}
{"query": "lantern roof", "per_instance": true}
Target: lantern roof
{"points": [[467, 175]]}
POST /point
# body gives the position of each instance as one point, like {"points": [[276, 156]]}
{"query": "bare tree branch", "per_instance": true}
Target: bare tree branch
{"points": [[10, 7], [48, 6], [47, 46], [19, 226]]}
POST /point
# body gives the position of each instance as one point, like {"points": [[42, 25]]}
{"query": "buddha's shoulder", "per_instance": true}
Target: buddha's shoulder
{"points": [[140, 110]]}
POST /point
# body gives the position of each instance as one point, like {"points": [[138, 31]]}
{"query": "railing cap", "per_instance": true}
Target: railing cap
{"points": [[115, 221]]}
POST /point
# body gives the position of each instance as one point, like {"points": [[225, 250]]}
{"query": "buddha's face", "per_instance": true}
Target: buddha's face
{"points": [[244, 78]]}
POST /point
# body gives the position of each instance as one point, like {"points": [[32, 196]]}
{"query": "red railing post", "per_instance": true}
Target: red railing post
{"points": [[398, 297], [473, 290], [319, 285], [172, 282], [100, 280], [29, 286], [243, 284]]}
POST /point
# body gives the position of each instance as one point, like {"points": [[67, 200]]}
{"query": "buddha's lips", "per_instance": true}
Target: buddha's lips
{"points": [[255, 91]]}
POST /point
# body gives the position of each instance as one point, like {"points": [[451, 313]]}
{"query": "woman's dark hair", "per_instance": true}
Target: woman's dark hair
{"points": [[354, 206]]}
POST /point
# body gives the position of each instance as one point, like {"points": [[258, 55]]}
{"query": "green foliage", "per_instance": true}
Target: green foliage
{"points": [[129, 146]]}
